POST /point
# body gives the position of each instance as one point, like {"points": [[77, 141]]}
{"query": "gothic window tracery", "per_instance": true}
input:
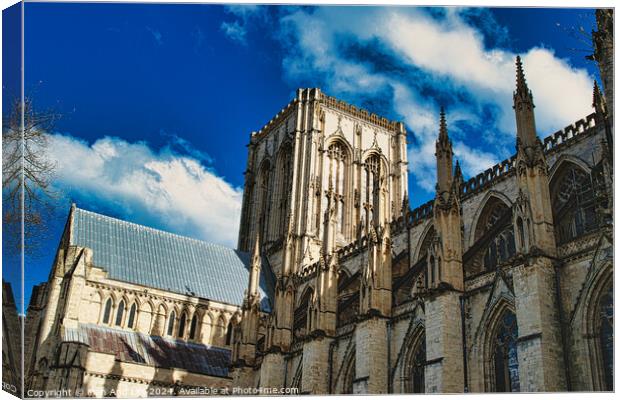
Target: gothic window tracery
{"points": [[573, 204], [371, 189], [494, 237], [505, 362], [337, 155], [284, 183]]}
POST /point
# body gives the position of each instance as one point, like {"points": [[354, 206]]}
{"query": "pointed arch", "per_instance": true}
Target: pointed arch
{"points": [[490, 199], [562, 162], [132, 317], [171, 322], [282, 189], [349, 374], [182, 324], [348, 297], [337, 171], [121, 310], [597, 326], [491, 235], [414, 361], [193, 326], [301, 317], [425, 241], [500, 355], [106, 316]]}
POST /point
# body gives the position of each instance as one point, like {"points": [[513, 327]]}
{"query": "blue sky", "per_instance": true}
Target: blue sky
{"points": [[158, 101]]}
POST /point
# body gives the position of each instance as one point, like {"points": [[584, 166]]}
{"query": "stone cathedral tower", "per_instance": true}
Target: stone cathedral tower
{"points": [[321, 175]]}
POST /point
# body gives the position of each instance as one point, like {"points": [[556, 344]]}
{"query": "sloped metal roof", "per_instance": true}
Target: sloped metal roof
{"points": [[149, 257], [157, 351]]}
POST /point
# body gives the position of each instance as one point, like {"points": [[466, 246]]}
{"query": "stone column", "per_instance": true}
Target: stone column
{"points": [[444, 344], [315, 366], [272, 370], [541, 362], [371, 356]]}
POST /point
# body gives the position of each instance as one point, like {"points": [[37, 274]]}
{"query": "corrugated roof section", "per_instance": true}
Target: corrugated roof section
{"points": [[138, 254], [129, 346]]}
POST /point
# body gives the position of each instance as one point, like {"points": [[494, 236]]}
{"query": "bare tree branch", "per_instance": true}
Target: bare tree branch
{"points": [[26, 176]]}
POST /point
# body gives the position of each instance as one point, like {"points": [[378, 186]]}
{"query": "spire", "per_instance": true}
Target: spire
{"points": [[598, 101], [443, 126], [523, 104], [521, 83], [443, 153], [255, 268]]}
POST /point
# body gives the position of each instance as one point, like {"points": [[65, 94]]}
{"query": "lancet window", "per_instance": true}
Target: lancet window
{"points": [[300, 317], [284, 171], [414, 371], [337, 156], [505, 361], [132, 316], [370, 188]]}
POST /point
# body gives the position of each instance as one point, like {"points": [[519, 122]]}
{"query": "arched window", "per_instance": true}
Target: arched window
{"points": [[348, 298], [284, 181], [173, 316], [521, 233], [263, 197], [132, 316], [119, 313], [414, 371], [182, 325], [107, 311], [300, 318], [371, 181], [229, 332], [494, 235], [337, 175], [574, 205], [504, 354], [192, 328], [606, 336]]}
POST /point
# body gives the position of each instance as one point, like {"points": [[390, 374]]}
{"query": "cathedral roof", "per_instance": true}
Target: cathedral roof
{"points": [[156, 351], [149, 257]]}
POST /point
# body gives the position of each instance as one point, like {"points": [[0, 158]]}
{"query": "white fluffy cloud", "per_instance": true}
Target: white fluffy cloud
{"points": [[161, 189], [448, 53]]}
